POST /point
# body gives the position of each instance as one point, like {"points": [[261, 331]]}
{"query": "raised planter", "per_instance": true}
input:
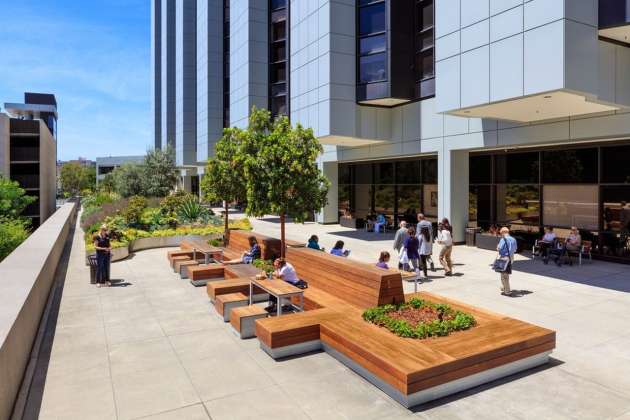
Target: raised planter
{"points": [[141, 244], [489, 242]]}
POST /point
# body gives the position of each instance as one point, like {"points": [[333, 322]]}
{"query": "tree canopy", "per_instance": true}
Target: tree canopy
{"points": [[13, 199], [75, 178], [160, 172]]}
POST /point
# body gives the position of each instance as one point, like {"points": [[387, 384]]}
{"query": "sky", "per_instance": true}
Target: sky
{"points": [[95, 57]]}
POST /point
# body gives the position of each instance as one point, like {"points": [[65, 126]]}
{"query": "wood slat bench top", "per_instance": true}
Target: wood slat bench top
{"points": [[231, 297], [223, 302], [240, 270], [239, 315], [232, 285], [277, 287], [202, 272], [200, 246]]}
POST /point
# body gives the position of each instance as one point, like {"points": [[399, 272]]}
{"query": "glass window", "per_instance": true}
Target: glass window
{"points": [[384, 200], [615, 239], [372, 44], [424, 40], [344, 173], [345, 199], [363, 200], [429, 171], [278, 73], [570, 166], [278, 51], [571, 205], [425, 15], [480, 205], [480, 169], [518, 204], [278, 31], [517, 168], [373, 68], [277, 4], [615, 164], [363, 173], [424, 65], [372, 19], [279, 105], [384, 173], [279, 89], [408, 172], [409, 202]]}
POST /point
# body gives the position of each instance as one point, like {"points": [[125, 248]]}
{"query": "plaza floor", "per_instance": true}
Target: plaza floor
{"points": [[153, 347]]}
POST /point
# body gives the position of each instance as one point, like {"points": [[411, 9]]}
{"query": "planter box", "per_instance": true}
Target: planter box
{"points": [[352, 222], [487, 241], [141, 244]]}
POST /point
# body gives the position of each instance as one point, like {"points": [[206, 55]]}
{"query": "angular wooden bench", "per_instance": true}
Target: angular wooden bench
{"points": [[181, 267], [243, 318], [410, 371], [239, 242], [233, 285], [205, 272], [179, 258], [225, 303]]}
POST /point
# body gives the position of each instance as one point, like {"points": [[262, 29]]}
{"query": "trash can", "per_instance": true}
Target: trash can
{"points": [[92, 263], [470, 236]]}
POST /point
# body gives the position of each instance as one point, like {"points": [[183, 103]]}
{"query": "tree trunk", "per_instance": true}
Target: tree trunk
{"points": [[227, 225], [282, 243]]}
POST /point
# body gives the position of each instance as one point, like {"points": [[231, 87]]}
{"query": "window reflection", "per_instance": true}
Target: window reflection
{"points": [[571, 205], [373, 68], [518, 204], [616, 215], [372, 19]]}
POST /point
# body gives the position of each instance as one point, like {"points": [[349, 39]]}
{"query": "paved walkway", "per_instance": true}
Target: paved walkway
{"points": [[154, 348]]}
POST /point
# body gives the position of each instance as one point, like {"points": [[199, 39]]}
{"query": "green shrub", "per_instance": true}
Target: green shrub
{"points": [[264, 265], [449, 320], [12, 233], [170, 204], [191, 210], [133, 212]]}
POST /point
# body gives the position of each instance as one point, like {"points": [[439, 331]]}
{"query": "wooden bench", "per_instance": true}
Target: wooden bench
{"points": [[181, 267], [177, 259], [410, 371], [225, 303], [238, 243], [205, 272], [243, 318], [233, 285]]}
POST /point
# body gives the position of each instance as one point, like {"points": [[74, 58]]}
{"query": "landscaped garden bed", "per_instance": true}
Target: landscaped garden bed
{"points": [[419, 319], [141, 223]]}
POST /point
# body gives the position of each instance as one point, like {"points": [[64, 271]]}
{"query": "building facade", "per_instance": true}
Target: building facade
{"points": [[28, 151], [106, 165], [482, 111]]}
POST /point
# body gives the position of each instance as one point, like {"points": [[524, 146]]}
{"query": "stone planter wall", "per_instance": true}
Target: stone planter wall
{"points": [[141, 244]]}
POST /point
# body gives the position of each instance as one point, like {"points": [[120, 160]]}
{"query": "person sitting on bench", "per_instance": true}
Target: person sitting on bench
{"points": [[546, 243], [572, 244], [247, 257], [339, 251], [313, 243], [283, 271]]}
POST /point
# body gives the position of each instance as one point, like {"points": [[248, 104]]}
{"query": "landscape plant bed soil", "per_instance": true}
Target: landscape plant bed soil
{"points": [[419, 319]]}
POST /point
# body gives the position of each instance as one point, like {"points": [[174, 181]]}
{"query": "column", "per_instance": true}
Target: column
{"points": [[453, 190], [330, 213]]}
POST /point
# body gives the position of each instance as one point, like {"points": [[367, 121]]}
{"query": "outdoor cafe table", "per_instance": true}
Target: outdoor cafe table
{"points": [[278, 288], [205, 249]]}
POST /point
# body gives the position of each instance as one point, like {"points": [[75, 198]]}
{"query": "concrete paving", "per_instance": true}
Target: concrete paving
{"points": [[154, 347]]}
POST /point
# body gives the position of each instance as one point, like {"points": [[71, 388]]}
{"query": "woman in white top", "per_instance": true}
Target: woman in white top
{"points": [[425, 248], [547, 243], [445, 239], [283, 271]]}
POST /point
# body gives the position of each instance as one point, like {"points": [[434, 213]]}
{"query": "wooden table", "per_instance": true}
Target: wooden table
{"points": [[206, 249], [278, 288]]}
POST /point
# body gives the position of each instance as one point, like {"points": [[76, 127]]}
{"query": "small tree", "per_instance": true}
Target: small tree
{"points": [[129, 179], [13, 199], [281, 171], [160, 172], [107, 184], [224, 177]]}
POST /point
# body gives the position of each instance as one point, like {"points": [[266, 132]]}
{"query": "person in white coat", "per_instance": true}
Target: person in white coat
{"points": [[425, 249]]}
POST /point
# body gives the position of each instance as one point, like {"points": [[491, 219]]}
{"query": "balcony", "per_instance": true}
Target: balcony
{"points": [[614, 20]]}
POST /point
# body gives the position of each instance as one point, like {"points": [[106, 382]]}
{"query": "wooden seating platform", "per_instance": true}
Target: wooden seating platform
{"points": [[269, 247], [233, 285], [225, 303], [410, 371], [242, 319], [205, 272], [178, 258], [181, 267]]}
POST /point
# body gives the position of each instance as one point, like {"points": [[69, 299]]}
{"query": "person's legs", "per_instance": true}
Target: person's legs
{"points": [[505, 283], [424, 265], [447, 258]]}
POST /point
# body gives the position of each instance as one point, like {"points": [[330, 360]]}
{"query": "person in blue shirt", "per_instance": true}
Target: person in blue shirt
{"points": [[248, 257], [313, 243], [338, 250], [380, 223], [507, 249]]}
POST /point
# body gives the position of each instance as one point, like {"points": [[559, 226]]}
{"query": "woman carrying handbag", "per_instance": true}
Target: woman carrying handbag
{"points": [[503, 264]]}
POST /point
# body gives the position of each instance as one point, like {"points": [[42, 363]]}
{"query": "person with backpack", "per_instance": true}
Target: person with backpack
{"points": [[410, 252]]}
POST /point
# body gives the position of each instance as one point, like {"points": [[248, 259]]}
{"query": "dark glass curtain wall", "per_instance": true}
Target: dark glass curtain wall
{"points": [[586, 187], [397, 189]]}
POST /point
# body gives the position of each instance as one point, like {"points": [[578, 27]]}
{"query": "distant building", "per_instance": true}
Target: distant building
{"points": [[28, 151], [105, 165]]}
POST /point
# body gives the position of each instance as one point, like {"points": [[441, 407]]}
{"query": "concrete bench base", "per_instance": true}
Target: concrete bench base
{"points": [[293, 349], [225, 303], [181, 267], [447, 388], [243, 320]]}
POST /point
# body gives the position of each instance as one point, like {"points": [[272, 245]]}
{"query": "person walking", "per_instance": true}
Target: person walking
{"points": [[399, 240], [425, 248], [424, 223], [445, 239], [103, 249], [506, 249], [411, 245]]}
